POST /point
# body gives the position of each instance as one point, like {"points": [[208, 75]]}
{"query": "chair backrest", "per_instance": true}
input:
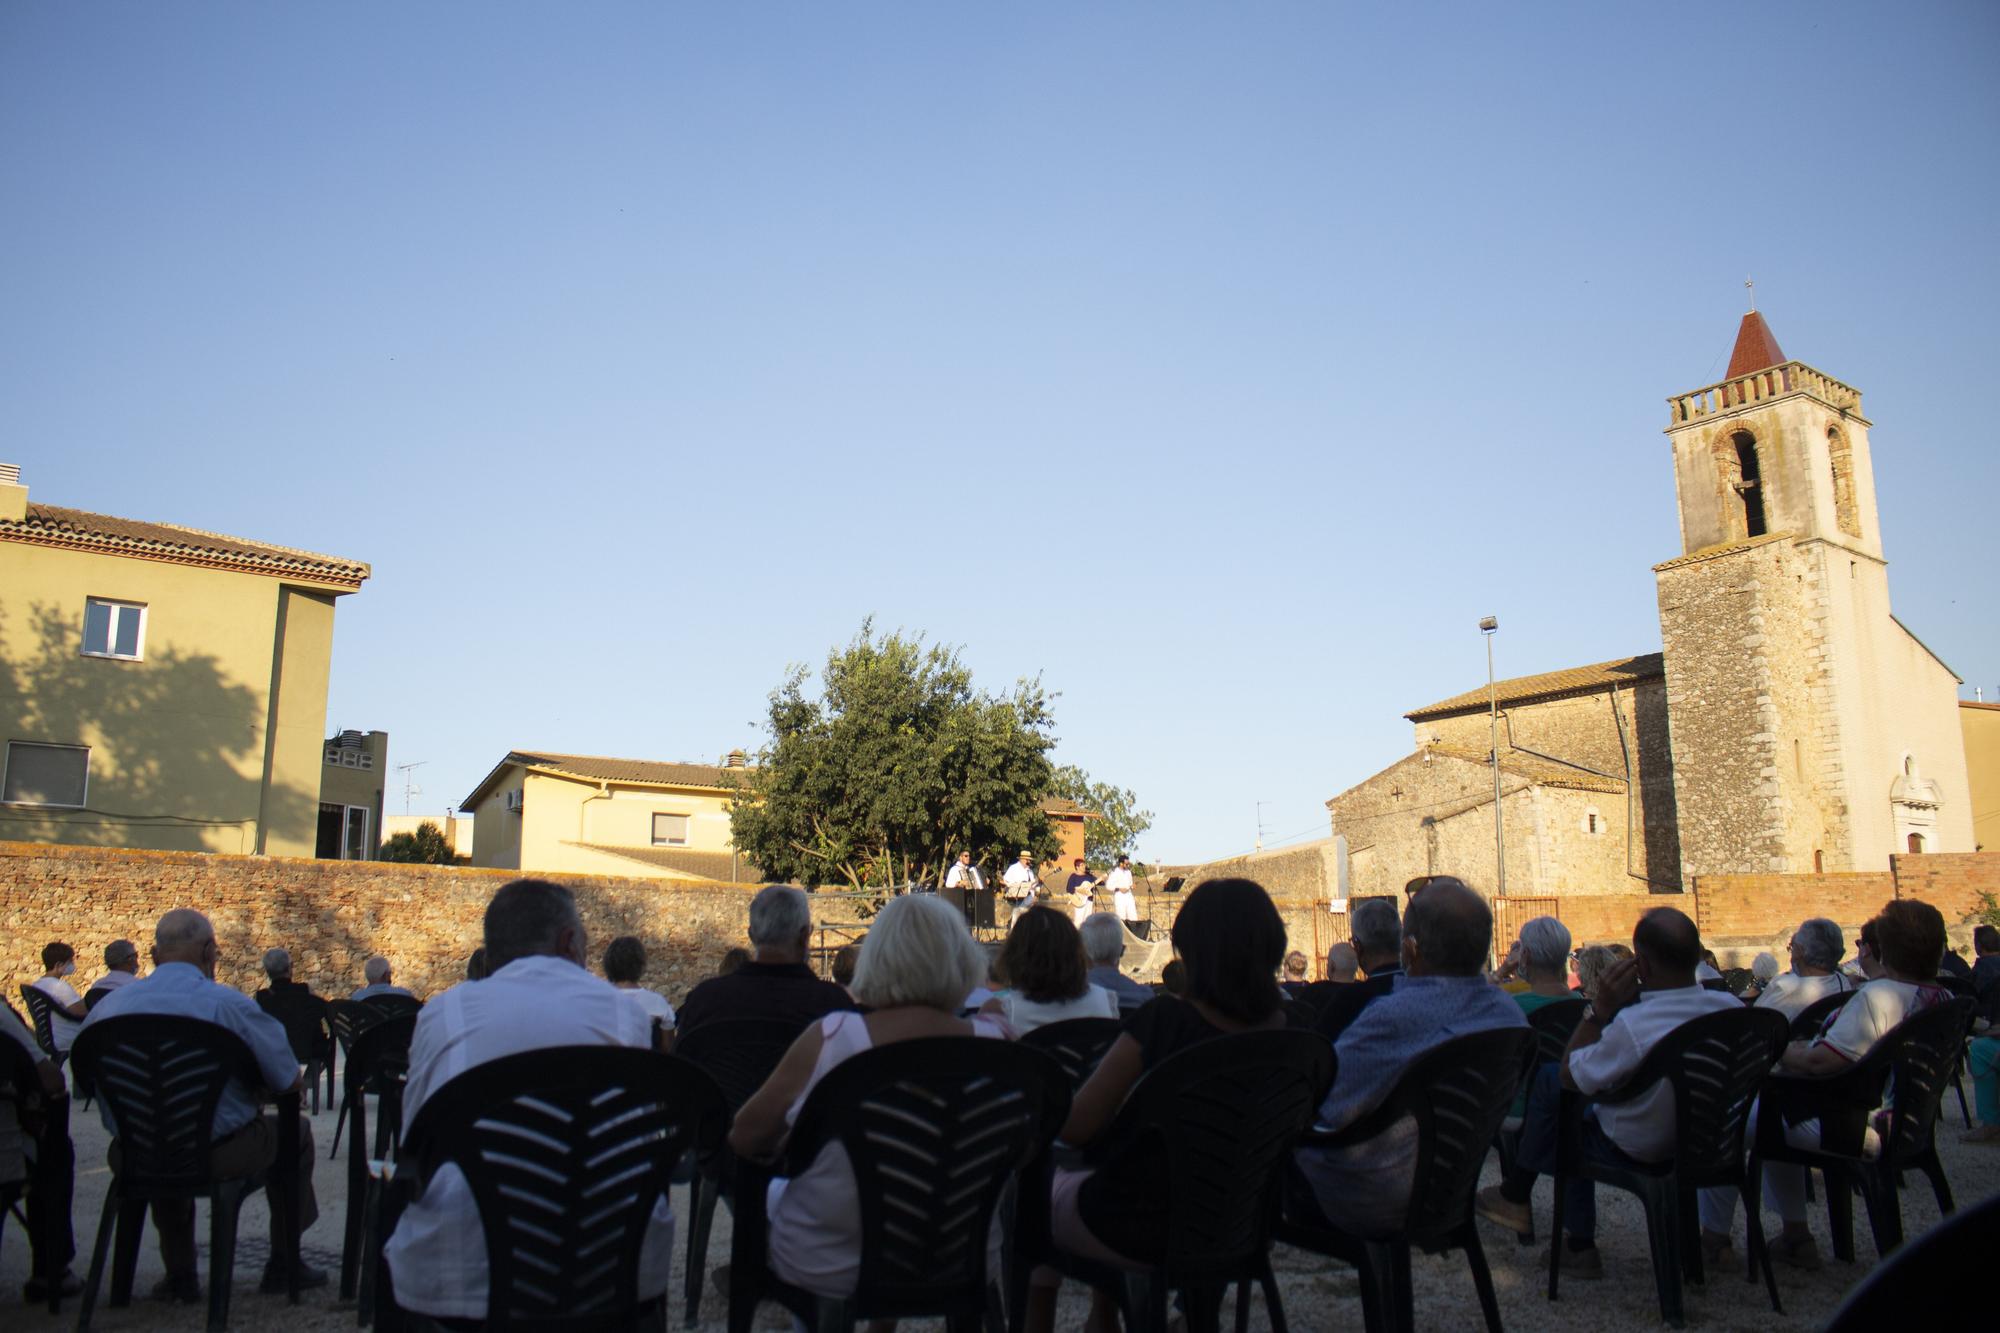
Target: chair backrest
{"points": [[380, 1054], [393, 1005], [934, 1128], [41, 1013], [1553, 1024], [1077, 1044], [1458, 1092], [1715, 983], [1918, 1056], [1941, 1259], [1214, 1122], [93, 997], [347, 1019], [566, 1151], [1813, 1017], [738, 1053], [303, 1015], [1716, 1063], [1737, 979], [161, 1078]]}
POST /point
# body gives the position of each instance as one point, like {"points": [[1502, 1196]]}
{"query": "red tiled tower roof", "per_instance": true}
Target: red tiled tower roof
{"points": [[1756, 348]]}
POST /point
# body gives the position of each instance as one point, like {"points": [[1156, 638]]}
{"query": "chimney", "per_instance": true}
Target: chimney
{"points": [[734, 759], [13, 495]]}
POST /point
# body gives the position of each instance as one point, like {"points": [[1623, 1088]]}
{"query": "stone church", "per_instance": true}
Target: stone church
{"points": [[1791, 724]]}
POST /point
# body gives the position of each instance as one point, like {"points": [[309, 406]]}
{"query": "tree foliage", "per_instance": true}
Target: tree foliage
{"points": [[1117, 833], [427, 846], [894, 766]]}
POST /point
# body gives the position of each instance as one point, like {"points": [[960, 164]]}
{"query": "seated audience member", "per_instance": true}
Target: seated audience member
{"points": [[1983, 1059], [624, 965], [1816, 948], [1342, 963], [1173, 978], [1763, 971], [917, 964], [1047, 981], [42, 1120], [1440, 994], [1986, 964], [475, 964], [1707, 969], [1910, 935], [1867, 964], [58, 965], [1294, 981], [775, 983], [732, 958], [845, 959], [1378, 946], [1952, 965], [121, 968], [1591, 961], [538, 996], [183, 985], [1230, 940], [278, 971], [1103, 945], [1541, 959], [376, 971], [1621, 1024]]}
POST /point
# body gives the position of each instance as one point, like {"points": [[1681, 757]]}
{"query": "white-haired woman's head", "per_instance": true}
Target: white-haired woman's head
{"points": [[918, 951], [1764, 967]]}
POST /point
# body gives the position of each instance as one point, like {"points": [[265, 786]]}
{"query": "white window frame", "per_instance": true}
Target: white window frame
{"points": [[111, 637], [8, 756], [687, 828], [347, 822]]}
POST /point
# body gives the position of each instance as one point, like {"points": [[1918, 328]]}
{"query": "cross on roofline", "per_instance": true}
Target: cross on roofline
{"points": [[1751, 283]]}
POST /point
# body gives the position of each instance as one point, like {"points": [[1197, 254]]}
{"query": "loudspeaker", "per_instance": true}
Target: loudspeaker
{"points": [[1143, 929]]}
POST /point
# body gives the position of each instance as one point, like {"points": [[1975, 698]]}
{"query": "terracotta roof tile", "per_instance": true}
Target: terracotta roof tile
{"points": [[54, 525], [1723, 548], [1062, 805], [606, 769], [1547, 685], [1756, 347]]}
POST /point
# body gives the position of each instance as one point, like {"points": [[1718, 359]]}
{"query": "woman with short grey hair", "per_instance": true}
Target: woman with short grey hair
{"points": [[1817, 946]]}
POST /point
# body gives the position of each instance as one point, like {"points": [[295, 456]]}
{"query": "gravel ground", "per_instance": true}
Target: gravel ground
{"points": [[1318, 1294]]}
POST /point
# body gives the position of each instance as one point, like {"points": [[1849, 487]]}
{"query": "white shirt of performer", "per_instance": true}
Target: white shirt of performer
{"points": [[965, 875], [1020, 880], [1123, 901]]}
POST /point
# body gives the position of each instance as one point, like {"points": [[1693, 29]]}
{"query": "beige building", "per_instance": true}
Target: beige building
{"points": [[160, 686], [556, 814], [1791, 724], [457, 830], [350, 796], [1981, 724]]}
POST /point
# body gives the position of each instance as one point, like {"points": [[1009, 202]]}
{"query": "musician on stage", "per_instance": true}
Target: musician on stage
{"points": [[1123, 900], [1020, 883], [1079, 886], [971, 886]]}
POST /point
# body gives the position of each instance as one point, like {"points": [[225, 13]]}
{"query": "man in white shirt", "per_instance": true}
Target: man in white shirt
{"points": [[59, 964], [964, 875], [1637, 1002], [1816, 950], [1123, 901], [537, 995], [1021, 881], [964, 879], [121, 968], [376, 970]]}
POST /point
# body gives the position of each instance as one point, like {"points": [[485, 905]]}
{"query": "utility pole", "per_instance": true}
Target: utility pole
{"points": [[1259, 846], [1487, 627]]}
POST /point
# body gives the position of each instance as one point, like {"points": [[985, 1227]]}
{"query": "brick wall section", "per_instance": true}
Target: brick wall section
{"points": [[1949, 881], [1747, 905], [332, 915]]}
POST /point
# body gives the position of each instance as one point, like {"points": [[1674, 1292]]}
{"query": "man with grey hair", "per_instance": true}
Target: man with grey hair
{"points": [[539, 995], [775, 983], [121, 968], [1377, 933], [1103, 945], [1817, 946], [183, 985], [376, 970]]}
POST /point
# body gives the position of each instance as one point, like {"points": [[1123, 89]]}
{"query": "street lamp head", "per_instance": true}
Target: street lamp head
{"points": [[1488, 624]]}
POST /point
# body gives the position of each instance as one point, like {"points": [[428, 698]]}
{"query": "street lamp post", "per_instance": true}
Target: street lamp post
{"points": [[1487, 627]]}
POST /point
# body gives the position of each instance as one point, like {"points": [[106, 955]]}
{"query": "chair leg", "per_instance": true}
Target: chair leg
{"points": [[1145, 1303], [224, 1202], [106, 1224], [1933, 1170], [1885, 1209], [703, 1196], [1242, 1306], [357, 1195], [1840, 1212], [1376, 1267], [835, 1316], [125, 1253], [1274, 1307], [339, 1119], [1664, 1240], [1555, 1234], [1406, 1313], [1757, 1254], [1467, 1239], [1958, 1086]]}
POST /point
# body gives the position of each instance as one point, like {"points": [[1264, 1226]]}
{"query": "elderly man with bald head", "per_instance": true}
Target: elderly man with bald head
{"points": [[182, 985]]}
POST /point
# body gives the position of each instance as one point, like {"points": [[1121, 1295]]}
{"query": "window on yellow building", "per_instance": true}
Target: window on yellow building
{"points": [[56, 775], [670, 830], [114, 629]]}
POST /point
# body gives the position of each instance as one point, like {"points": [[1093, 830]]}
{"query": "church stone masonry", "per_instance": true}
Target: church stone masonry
{"points": [[1791, 725]]}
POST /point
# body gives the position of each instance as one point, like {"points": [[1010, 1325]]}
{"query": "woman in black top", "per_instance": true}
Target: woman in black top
{"points": [[1230, 939]]}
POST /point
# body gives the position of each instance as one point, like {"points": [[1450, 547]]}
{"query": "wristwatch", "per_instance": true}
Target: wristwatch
{"points": [[1589, 1014]]}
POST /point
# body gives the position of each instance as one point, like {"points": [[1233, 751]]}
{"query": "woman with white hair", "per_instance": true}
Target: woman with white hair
{"points": [[1816, 949], [917, 964], [1540, 957]]}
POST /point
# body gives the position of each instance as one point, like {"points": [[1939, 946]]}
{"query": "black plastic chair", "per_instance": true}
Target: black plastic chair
{"points": [[41, 1014], [346, 1020], [162, 1077], [1813, 1017], [566, 1152], [379, 1064], [1077, 1044], [1942, 1259], [1912, 1062], [1552, 1025], [303, 1015], [392, 1006], [22, 1085], [1736, 980], [1716, 1064], [935, 1129], [1457, 1093], [93, 997], [1206, 1134], [739, 1054]]}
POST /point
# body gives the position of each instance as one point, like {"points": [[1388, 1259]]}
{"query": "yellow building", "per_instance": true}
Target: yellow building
{"points": [[572, 814], [1981, 725], [160, 686], [350, 796]]}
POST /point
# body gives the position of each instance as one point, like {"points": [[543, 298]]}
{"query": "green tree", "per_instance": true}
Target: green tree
{"points": [[893, 767], [427, 846], [1117, 833]]}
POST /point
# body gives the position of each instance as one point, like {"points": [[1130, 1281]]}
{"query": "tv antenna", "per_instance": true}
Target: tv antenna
{"points": [[410, 787], [1261, 825]]}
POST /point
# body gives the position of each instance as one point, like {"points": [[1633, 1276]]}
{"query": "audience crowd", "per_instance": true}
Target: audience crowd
{"points": [[1402, 984]]}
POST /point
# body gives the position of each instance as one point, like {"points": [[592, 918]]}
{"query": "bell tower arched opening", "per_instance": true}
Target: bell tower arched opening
{"points": [[1749, 483]]}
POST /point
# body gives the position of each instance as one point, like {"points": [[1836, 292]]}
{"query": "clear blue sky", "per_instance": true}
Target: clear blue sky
{"points": [[1222, 364]]}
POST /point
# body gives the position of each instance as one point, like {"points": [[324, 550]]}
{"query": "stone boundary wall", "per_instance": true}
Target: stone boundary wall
{"points": [[1748, 905]]}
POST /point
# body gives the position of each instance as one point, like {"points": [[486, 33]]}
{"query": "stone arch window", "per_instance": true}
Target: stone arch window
{"points": [[1841, 456], [1916, 842], [1592, 821], [1819, 861], [1749, 484]]}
